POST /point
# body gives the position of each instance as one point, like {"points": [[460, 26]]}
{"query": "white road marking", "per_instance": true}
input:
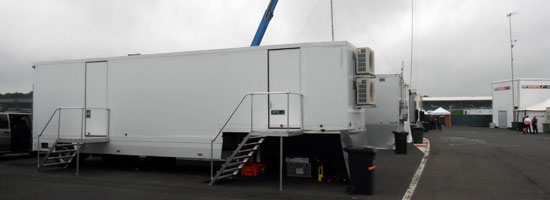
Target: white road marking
{"points": [[460, 141], [543, 138], [418, 172]]}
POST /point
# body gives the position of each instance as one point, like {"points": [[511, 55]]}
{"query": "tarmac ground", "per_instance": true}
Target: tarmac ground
{"points": [[463, 163], [484, 163], [170, 179]]}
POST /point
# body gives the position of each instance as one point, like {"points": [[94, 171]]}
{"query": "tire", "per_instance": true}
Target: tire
{"points": [[351, 189], [65, 154]]}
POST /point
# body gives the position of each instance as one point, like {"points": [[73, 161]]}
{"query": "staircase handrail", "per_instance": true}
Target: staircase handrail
{"points": [[251, 94], [58, 111]]}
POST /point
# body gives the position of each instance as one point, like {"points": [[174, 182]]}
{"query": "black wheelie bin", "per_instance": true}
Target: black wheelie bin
{"points": [[361, 167], [400, 141]]}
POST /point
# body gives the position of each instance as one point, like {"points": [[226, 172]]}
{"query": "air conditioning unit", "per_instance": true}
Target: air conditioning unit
{"points": [[364, 61], [365, 91]]}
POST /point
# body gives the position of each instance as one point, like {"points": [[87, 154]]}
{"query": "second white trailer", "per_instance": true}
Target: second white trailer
{"points": [[389, 113]]}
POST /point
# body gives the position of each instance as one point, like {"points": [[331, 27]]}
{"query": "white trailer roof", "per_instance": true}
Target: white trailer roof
{"points": [[472, 98], [212, 51], [522, 79]]}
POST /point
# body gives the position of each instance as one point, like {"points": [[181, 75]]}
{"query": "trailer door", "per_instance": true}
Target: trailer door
{"points": [[96, 99], [284, 75]]}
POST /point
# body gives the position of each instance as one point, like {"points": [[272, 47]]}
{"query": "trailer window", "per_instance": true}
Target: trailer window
{"points": [[4, 121]]}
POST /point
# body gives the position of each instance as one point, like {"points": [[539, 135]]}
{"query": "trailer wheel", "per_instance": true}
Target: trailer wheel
{"points": [[65, 153], [351, 189]]}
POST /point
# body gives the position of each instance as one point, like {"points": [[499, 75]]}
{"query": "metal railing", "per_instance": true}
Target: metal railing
{"points": [[252, 94], [82, 125]]}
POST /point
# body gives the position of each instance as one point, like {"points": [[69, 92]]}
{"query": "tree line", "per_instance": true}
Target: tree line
{"points": [[18, 95]]}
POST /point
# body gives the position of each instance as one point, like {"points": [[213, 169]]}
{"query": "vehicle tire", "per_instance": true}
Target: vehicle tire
{"points": [[65, 154], [351, 189]]}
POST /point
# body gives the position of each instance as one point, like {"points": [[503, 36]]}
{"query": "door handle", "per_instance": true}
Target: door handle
{"points": [[88, 113], [7, 132]]}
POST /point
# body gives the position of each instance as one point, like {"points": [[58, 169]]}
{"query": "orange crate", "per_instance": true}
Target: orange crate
{"points": [[250, 170], [253, 169], [261, 166]]}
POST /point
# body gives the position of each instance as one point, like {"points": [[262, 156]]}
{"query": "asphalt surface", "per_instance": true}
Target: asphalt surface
{"points": [[161, 179], [483, 163], [464, 163]]}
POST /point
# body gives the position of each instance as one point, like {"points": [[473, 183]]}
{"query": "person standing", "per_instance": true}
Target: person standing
{"points": [[527, 123], [524, 128], [534, 124]]}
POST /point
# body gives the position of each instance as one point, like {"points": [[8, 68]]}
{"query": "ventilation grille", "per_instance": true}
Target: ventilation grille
{"points": [[365, 91], [365, 61]]}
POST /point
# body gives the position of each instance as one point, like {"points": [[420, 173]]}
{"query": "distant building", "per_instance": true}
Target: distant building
{"points": [[467, 105], [16, 105], [526, 92]]}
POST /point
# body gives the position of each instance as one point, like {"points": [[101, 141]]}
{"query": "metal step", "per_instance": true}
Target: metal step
{"points": [[248, 150], [60, 157], [56, 163], [231, 170], [239, 157], [64, 145], [250, 144], [225, 176], [237, 163], [63, 151]]}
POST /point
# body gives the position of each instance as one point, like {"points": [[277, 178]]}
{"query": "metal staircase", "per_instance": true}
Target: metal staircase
{"points": [[66, 147], [234, 163], [252, 141], [60, 155]]}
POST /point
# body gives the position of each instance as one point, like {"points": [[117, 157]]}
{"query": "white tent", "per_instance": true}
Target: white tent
{"points": [[440, 111], [539, 106], [538, 110]]}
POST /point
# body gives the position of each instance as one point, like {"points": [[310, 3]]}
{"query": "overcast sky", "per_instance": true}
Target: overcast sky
{"points": [[460, 46]]}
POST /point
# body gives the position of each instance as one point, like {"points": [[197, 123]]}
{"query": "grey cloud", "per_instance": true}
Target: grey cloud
{"points": [[460, 45]]}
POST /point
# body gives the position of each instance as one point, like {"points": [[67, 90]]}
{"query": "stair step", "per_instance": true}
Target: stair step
{"points": [[63, 151], [244, 156], [56, 163], [59, 157], [224, 176], [237, 163], [231, 170], [247, 150], [64, 145], [250, 144]]}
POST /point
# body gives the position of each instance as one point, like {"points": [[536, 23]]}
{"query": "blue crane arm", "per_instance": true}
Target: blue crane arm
{"points": [[266, 18]]}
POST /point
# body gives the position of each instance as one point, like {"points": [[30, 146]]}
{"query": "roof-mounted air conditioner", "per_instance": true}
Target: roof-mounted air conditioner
{"points": [[364, 61], [365, 91]]}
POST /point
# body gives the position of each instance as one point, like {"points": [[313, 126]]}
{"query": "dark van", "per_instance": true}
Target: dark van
{"points": [[15, 133]]}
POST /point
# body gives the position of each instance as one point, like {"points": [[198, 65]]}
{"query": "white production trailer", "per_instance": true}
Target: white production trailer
{"points": [[527, 92], [390, 111], [176, 104]]}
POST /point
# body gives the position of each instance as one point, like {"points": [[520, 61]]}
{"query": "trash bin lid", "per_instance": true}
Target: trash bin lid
{"points": [[360, 149], [400, 132]]}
